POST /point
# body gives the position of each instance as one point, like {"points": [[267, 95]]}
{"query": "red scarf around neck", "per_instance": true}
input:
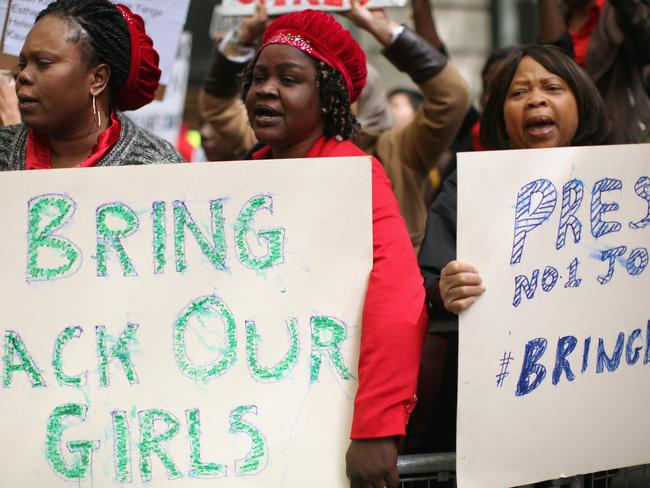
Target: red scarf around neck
{"points": [[39, 154]]}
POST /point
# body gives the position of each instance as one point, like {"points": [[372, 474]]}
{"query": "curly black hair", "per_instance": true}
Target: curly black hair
{"points": [[335, 101], [102, 32]]}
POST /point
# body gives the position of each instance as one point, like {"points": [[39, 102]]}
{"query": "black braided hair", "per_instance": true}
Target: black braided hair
{"points": [[101, 31], [335, 102]]}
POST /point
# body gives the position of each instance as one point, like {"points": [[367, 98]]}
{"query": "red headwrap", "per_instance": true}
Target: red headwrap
{"points": [[144, 73], [319, 35]]}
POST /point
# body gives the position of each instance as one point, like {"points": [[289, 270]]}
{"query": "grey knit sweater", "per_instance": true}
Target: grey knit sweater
{"points": [[135, 146]]}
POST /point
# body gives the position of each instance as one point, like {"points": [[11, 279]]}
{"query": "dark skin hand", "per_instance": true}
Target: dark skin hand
{"points": [[551, 20], [372, 463], [424, 22]]}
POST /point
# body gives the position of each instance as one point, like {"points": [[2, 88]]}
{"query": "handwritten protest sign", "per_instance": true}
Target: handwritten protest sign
{"points": [[277, 7], [555, 356], [164, 20], [167, 325]]}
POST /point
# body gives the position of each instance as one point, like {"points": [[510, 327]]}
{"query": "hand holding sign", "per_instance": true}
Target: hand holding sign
{"points": [[241, 41], [253, 27], [373, 462], [279, 7], [460, 286], [376, 22]]}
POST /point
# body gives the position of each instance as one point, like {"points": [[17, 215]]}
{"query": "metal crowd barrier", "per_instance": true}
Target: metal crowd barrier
{"points": [[439, 471]]}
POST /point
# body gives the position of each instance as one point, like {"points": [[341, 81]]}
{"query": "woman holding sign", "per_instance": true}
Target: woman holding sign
{"points": [[539, 98], [83, 62], [298, 92]]}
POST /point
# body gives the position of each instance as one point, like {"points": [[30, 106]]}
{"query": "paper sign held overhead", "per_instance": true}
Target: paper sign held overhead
{"points": [[164, 20], [276, 7]]}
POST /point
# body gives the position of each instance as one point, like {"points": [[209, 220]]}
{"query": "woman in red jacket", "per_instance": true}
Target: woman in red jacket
{"points": [[298, 92]]}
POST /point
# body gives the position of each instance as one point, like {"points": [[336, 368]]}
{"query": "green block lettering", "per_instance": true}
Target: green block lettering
{"points": [[327, 334], [110, 233], [159, 236], [55, 428], [258, 457], [47, 213], [119, 350], [14, 345], [150, 441], [122, 447], [272, 240], [284, 366], [216, 252], [57, 362], [198, 468], [208, 307]]}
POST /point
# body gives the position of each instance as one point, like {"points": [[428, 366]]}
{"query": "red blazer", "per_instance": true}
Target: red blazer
{"points": [[394, 313]]}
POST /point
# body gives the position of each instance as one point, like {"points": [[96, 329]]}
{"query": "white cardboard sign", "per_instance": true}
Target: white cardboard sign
{"points": [[555, 356], [166, 326], [164, 20], [277, 7]]}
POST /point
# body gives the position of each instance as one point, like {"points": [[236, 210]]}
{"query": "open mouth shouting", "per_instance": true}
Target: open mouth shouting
{"points": [[265, 116], [539, 126]]}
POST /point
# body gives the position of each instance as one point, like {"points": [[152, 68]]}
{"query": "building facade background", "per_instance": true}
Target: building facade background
{"points": [[471, 29]]}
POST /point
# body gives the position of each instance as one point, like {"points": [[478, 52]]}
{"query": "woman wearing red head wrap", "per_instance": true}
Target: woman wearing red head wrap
{"points": [[297, 94], [82, 63]]}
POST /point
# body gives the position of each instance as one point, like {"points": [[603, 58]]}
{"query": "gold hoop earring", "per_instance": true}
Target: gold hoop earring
{"points": [[96, 112]]}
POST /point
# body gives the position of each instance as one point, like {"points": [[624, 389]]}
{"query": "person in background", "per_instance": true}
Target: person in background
{"points": [[430, 429], [372, 111], [224, 125], [425, 26], [407, 154], [9, 113], [611, 40], [404, 103], [83, 62], [298, 93]]}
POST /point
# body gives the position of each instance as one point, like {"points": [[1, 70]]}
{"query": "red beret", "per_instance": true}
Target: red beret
{"points": [[319, 35], [144, 73]]}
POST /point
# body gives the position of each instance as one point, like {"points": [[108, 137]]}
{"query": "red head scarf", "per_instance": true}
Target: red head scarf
{"points": [[319, 35], [144, 73]]}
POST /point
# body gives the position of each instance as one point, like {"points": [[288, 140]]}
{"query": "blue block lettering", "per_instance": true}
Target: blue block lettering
{"points": [[610, 255], [528, 286], [549, 278], [637, 262], [600, 227], [525, 218], [642, 188], [535, 349], [632, 353], [565, 346], [604, 360], [572, 195]]}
